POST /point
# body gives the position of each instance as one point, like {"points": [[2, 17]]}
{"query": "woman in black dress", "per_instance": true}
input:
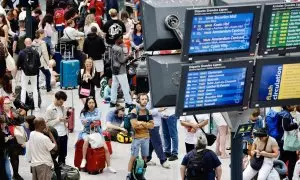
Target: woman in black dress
{"points": [[87, 80]]}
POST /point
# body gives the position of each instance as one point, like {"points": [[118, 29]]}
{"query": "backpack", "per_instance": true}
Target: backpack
{"points": [[127, 118], [196, 167], [37, 48], [31, 64], [139, 169], [20, 43], [274, 124]]}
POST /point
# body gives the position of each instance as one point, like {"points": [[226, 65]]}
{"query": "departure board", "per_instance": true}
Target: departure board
{"points": [[214, 87], [220, 33], [276, 82], [279, 82], [282, 32]]}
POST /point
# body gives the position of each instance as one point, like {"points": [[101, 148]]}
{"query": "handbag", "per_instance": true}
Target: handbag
{"points": [[291, 140], [10, 63], [85, 92], [211, 138], [257, 162]]}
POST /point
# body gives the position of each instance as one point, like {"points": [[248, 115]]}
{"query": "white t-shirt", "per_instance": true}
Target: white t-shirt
{"points": [[191, 137], [54, 113], [219, 119], [38, 149]]}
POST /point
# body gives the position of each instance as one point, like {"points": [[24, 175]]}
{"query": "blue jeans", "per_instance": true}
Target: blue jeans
{"points": [[169, 127], [7, 168], [138, 144], [47, 74], [156, 144]]}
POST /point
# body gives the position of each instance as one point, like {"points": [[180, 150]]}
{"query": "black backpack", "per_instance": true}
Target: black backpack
{"points": [[197, 167], [20, 43], [31, 63]]}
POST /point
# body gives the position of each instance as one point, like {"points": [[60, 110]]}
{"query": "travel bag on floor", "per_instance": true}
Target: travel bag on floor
{"points": [[69, 70], [95, 160]]}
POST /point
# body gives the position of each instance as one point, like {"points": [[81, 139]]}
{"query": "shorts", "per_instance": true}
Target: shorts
{"points": [[140, 143], [41, 172], [99, 65]]}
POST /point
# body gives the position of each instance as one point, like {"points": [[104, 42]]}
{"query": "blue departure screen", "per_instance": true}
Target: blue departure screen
{"points": [[220, 87], [221, 33]]}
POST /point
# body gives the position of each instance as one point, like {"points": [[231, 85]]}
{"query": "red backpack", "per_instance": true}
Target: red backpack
{"points": [[59, 16]]}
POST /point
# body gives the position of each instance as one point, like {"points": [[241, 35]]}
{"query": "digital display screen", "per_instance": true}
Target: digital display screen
{"points": [[215, 88], [279, 82], [221, 33], [281, 33]]}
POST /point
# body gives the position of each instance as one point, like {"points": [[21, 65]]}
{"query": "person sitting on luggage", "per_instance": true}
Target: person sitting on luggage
{"points": [[56, 116], [87, 80], [141, 121], [107, 90], [89, 114], [191, 166], [38, 150], [114, 121]]}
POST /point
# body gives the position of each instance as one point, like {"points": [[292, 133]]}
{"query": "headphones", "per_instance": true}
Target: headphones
{"points": [[139, 97]]}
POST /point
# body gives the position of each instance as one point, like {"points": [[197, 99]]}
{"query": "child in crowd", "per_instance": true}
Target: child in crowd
{"points": [[107, 91]]}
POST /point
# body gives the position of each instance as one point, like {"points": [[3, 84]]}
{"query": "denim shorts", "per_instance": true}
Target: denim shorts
{"points": [[140, 143]]}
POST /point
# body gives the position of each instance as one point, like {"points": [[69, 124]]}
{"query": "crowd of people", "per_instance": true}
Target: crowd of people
{"points": [[96, 29]]}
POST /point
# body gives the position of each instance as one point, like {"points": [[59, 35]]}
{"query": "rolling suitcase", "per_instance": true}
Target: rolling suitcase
{"points": [[78, 153], [71, 118], [95, 160], [71, 115], [68, 73], [107, 138]]}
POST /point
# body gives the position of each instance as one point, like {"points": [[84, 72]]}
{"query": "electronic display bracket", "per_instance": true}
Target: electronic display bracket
{"points": [[220, 32], [276, 82], [208, 87], [280, 34]]}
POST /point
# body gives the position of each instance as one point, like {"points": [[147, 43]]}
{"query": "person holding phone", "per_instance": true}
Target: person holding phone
{"points": [[56, 116]]}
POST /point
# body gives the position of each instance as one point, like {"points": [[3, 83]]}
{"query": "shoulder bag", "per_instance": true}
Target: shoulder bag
{"points": [[211, 138], [257, 162]]}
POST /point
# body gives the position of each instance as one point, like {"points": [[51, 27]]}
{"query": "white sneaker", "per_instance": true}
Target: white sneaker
{"points": [[166, 165], [83, 163], [110, 169], [37, 109], [151, 163]]}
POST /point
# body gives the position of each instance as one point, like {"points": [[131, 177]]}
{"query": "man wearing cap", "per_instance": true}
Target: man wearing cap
{"points": [[208, 168], [263, 146]]}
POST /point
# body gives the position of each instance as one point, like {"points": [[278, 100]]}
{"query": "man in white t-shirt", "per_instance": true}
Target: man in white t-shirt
{"points": [[38, 151], [192, 129], [56, 117]]}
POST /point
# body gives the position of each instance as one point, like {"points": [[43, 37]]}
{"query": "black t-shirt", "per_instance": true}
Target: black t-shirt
{"points": [[211, 159], [113, 28]]}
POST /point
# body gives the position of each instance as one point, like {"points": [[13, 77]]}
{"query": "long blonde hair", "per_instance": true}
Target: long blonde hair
{"points": [[89, 19]]}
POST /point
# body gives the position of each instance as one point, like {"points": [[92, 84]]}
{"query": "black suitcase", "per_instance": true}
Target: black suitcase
{"points": [[142, 84]]}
